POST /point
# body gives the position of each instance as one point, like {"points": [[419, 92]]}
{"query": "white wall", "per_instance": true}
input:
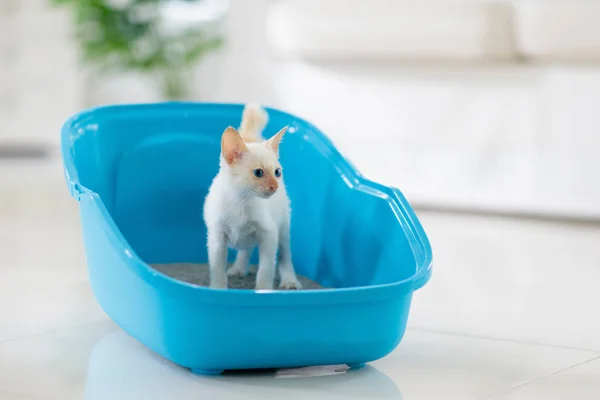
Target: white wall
{"points": [[39, 81]]}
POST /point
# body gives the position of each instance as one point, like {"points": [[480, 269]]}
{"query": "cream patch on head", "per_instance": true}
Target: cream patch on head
{"points": [[254, 166], [258, 169]]}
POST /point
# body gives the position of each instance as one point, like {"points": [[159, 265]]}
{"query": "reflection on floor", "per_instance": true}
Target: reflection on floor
{"points": [[509, 314]]}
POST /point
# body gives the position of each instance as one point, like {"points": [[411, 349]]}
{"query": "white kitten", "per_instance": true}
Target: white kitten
{"points": [[247, 206]]}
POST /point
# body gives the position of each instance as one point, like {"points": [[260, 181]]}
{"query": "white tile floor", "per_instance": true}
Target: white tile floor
{"points": [[509, 314]]}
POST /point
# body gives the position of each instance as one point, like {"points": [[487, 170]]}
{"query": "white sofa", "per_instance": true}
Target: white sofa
{"points": [[514, 137], [558, 30], [436, 30], [431, 30]]}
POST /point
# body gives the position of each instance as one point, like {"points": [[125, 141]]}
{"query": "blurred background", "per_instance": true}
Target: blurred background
{"points": [[469, 105], [485, 113]]}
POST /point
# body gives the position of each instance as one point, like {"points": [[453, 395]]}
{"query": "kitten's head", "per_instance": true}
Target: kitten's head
{"points": [[254, 167]]}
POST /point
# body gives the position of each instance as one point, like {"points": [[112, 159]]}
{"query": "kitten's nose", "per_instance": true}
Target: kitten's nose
{"points": [[273, 186]]}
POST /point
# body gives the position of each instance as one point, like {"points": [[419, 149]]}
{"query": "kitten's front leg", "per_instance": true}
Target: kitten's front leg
{"points": [[217, 259], [286, 268], [267, 251], [241, 264]]}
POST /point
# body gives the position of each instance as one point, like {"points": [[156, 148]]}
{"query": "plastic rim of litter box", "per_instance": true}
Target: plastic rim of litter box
{"points": [[245, 297]]}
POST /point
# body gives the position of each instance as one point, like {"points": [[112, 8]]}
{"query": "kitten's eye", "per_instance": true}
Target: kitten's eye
{"points": [[278, 172], [258, 173]]}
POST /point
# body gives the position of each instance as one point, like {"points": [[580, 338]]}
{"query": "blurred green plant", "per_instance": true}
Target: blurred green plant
{"points": [[133, 35]]}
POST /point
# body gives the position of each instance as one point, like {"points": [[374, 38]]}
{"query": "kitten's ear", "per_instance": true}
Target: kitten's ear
{"points": [[273, 143], [232, 146]]}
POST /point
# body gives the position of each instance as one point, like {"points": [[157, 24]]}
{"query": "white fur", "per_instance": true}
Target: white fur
{"points": [[238, 215]]}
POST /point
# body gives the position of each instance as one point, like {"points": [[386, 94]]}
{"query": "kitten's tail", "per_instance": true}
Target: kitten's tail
{"points": [[254, 119]]}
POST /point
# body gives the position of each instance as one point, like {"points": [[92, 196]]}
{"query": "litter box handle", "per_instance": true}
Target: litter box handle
{"points": [[420, 242]]}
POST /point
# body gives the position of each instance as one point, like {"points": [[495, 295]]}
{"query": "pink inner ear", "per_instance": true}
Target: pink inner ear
{"points": [[233, 147], [232, 152]]}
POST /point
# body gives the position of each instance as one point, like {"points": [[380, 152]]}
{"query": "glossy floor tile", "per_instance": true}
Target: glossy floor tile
{"points": [[456, 364], [99, 361], [533, 282], [43, 279], [51, 365], [581, 382], [439, 366], [6, 395], [509, 313]]}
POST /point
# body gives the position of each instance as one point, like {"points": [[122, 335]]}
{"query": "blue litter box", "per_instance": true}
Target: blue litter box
{"points": [[140, 174]]}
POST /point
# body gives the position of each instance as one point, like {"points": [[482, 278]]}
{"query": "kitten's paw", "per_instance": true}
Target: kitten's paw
{"points": [[236, 272], [290, 284], [218, 284], [264, 285]]}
